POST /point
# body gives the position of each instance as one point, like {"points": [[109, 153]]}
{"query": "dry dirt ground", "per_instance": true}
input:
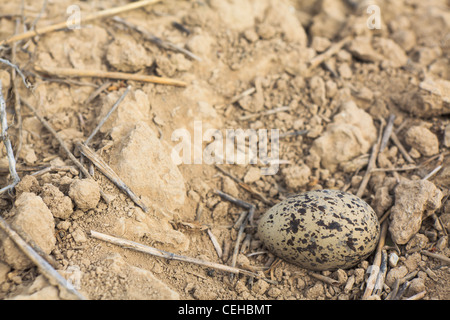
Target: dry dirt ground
{"points": [[257, 70]]}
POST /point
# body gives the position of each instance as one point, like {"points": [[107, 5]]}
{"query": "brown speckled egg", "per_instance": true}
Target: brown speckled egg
{"points": [[321, 230]]}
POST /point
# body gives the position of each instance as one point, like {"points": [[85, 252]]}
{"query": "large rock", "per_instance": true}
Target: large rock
{"points": [[431, 98], [414, 201], [31, 217], [422, 139], [352, 133], [140, 284], [145, 165]]}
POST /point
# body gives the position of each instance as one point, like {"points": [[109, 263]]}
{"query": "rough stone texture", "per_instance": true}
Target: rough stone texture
{"points": [[430, 98], [27, 184], [153, 225], [423, 140], [141, 284], [414, 201], [32, 217], [127, 55], [85, 193], [145, 165], [296, 176], [60, 205], [351, 134]]}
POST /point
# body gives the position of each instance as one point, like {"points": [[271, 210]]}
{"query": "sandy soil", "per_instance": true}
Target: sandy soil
{"points": [[256, 69]]}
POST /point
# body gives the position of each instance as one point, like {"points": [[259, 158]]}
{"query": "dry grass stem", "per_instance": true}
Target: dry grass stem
{"points": [[159, 42], [102, 122], [110, 174], [62, 144], [94, 16], [319, 59], [67, 72], [170, 256], [7, 143]]}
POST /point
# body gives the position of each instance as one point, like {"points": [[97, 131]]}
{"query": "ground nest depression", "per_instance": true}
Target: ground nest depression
{"points": [[347, 95]]}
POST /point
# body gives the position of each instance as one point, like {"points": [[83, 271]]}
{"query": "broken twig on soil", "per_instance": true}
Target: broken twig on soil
{"points": [[102, 122], [47, 270], [63, 144], [7, 143], [171, 256], [159, 42], [375, 267], [94, 16], [110, 174], [68, 72]]}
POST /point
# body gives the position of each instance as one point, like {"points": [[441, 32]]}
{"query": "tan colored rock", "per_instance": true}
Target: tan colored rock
{"points": [[60, 205], [32, 217], [126, 55], [145, 165], [415, 200], [423, 140], [141, 284], [352, 133], [85, 193], [296, 177], [431, 98]]}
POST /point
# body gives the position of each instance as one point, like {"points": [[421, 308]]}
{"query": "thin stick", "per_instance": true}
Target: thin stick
{"points": [[387, 132], [245, 186], [265, 113], [113, 108], [438, 256], [7, 143], [97, 92], [232, 199], [67, 72], [168, 255], [159, 42], [47, 270], [63, 144], [319, 59], [432, 173], [371, 165], [376, 262], [401, 148], [12, 65], [17, 108], [323, 278], [238, 242], [215, 243], [91, 17], [418, 296], [110, 174]]}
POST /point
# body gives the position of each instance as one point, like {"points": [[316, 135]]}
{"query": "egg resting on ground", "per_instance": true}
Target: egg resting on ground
{"points": [[321, 230]]}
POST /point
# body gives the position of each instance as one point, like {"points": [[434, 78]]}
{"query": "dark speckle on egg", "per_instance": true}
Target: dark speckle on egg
{"points": [[321, 230]]}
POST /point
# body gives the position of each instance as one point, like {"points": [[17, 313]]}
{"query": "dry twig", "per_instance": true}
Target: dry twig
{"points": [[102, 122], [371, 165], [51, 274], [110, 174], [375, 267], [319, 59], [63, 144], [168, 255], [67, 72], [94, 16], [7, 143], [159, 42]]}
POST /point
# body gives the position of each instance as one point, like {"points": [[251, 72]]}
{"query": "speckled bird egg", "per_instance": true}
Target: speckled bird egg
{"points": [[321, 230]]}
